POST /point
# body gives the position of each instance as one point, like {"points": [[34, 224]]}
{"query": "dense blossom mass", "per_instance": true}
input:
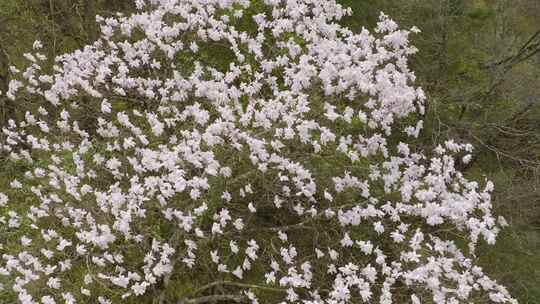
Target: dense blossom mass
{"points": [[235, 150]]}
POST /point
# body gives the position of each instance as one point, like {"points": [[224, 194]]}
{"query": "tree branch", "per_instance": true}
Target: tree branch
{"points": [[213, 299], [244, 285]]}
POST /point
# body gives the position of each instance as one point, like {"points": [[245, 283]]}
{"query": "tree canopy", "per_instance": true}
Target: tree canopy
{"points": [[243, 151]]}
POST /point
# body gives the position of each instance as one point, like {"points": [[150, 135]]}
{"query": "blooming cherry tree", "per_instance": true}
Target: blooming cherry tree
{"points": [[236, 151]]}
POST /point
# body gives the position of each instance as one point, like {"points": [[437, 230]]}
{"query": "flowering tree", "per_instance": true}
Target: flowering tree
{"points": [[236, 151]]}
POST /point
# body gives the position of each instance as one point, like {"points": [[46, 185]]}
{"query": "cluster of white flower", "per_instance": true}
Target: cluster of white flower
{"points": [[279, 173]]}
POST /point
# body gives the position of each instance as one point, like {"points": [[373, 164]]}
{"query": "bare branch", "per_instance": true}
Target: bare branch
{"points": [[213, 299], [244, 285]]}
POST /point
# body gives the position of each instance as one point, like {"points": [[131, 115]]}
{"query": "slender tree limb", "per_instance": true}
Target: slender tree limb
{"points": [[214, 299], [244, 285]]}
